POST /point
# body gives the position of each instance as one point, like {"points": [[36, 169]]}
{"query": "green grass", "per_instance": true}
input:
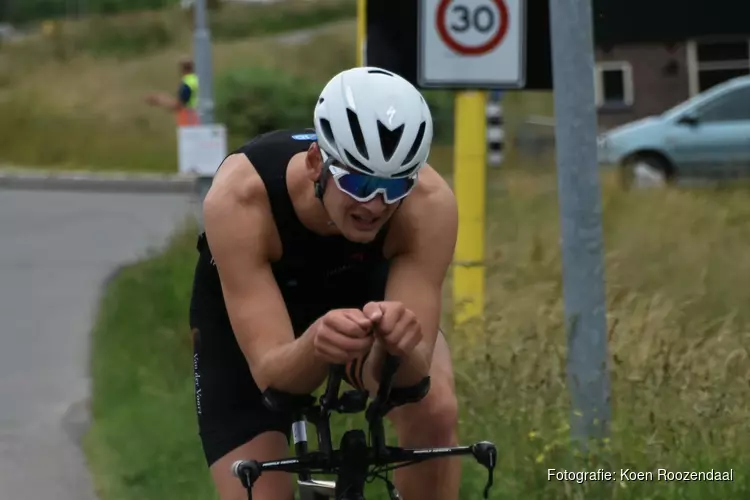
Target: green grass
{"points": [[143, 441], [676, 267]]}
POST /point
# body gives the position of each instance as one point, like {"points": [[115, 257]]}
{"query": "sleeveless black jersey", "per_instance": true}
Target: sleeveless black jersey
{"points": [[315, 273]]}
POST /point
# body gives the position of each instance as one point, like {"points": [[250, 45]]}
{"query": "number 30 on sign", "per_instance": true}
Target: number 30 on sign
{"points": [[472, 43]]}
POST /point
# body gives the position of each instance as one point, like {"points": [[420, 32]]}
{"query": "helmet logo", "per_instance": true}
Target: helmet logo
{"points": [[391, 112]]}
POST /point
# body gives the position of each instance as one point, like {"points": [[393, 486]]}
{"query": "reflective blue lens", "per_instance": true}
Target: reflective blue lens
{"points": [[363, 187]]}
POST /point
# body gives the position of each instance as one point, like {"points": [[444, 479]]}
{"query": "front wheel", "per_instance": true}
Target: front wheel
{"points": [[642, 171]]}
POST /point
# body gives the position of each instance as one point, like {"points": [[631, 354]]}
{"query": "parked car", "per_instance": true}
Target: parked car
{"points": [[705, 137]]}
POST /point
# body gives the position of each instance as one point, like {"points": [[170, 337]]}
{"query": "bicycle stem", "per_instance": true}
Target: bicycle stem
{"points": [[375, 412], [328, 402]]}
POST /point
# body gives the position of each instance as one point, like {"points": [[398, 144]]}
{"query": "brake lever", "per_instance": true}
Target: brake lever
{"points": [[247, 475], [486, 454]]}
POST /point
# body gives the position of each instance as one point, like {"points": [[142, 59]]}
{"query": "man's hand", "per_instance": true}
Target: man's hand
{"points": [[161, 100], [343, 335], [396, 326], [153, 99]]}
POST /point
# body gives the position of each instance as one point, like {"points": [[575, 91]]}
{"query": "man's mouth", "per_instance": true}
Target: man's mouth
{"points": [[365, 221]]}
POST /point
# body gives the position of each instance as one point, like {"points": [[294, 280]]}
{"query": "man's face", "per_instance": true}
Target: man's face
{"points": [[185, 67], [358, 221]]}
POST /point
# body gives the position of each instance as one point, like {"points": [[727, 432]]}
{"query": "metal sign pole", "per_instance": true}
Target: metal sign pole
{"points": [[452, 34], [204, 70], [580, 214], [203, 63], [470, 187]]}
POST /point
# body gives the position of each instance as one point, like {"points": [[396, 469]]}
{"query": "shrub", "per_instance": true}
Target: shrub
{"points": [[234, 22], [441, 107], [143, 28], [255, 100], [26, 11], [113, 36]]}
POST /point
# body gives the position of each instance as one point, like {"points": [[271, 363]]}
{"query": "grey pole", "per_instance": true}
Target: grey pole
{"points": [[204, 70], [581, 218], [203, 63]]}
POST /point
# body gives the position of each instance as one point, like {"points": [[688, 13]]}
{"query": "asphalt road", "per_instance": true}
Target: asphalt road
{"points": [[57, 248]]}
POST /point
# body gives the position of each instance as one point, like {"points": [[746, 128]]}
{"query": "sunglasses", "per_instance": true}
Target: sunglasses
{"points": [[363, 187]]}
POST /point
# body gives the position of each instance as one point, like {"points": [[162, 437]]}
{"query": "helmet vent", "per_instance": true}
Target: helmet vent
{"points": [[415, 146], [327, 132], [407, 172], [359, 138], [357, 164], [389, 139], [379, 72]]}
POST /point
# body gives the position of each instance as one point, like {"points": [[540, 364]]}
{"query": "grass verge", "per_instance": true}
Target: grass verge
{"points": [[143, 442], [676, 267]]}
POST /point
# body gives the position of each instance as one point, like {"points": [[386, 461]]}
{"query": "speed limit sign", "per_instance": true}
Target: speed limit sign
{"points": [[472, 44]]}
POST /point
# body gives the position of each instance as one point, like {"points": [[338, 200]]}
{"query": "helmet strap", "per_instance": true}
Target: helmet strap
{"points": [[320, 185]]}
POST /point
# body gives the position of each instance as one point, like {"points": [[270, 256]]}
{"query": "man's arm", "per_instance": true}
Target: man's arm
{"points": [[417, 273], [239, 228], [169, 102]]}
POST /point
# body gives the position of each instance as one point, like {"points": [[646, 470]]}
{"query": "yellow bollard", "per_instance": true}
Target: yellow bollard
{"points": [[361, 31], [469, 167]]}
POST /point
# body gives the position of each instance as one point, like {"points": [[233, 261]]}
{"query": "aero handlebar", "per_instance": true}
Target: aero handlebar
{"points": [[354, 459]]}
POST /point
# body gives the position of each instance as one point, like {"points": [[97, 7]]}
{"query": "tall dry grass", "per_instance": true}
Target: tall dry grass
{"points": [[678, 332], [88, 112]]}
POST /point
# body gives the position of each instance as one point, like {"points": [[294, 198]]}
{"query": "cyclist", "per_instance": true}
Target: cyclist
{"points": [[326, 248]]}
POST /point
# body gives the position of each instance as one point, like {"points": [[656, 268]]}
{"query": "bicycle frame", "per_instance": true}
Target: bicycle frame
{"points": [[354, 458]]}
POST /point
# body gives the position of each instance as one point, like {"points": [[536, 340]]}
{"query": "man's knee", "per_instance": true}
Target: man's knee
{"points": [[433, 421], [270, 445]]}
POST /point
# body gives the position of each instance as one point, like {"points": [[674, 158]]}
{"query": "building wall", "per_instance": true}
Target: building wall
{"points": [[655, 89]]}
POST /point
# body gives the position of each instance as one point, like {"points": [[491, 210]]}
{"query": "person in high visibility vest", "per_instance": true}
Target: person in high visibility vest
{"points": [[185, 105]]}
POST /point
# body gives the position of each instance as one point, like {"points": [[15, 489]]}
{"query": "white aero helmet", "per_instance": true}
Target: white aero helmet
{"points": [[374, 121]]}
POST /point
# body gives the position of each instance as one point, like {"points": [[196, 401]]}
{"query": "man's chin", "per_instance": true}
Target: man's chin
{"points": [[360, 236]]}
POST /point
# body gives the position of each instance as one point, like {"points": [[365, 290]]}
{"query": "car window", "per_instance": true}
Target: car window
{"points": [[732, 106]]}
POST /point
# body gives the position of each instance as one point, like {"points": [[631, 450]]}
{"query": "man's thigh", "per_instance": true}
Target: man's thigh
{"points": [[233, 422]]}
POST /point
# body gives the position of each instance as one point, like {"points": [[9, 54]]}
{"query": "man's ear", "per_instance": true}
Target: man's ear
{"points": [[313, 162]]}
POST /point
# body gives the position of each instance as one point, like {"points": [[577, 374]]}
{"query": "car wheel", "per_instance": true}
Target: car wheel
{"points": [[643, 171]]}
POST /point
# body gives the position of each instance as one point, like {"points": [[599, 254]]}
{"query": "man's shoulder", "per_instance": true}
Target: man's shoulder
{"points": [[237, 203], [276, 145], [428, 216], [237, 182], [282, 134], [184, 93], [433, 194]]}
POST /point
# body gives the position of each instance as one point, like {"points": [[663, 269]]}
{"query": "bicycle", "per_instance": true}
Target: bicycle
{"points": [[353, 460]]}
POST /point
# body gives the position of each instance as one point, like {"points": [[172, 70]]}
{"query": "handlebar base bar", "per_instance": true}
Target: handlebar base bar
{"points": [[249, 471]]}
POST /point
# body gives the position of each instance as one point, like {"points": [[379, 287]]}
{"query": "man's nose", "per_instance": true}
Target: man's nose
{"points": [[376, 205]]}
